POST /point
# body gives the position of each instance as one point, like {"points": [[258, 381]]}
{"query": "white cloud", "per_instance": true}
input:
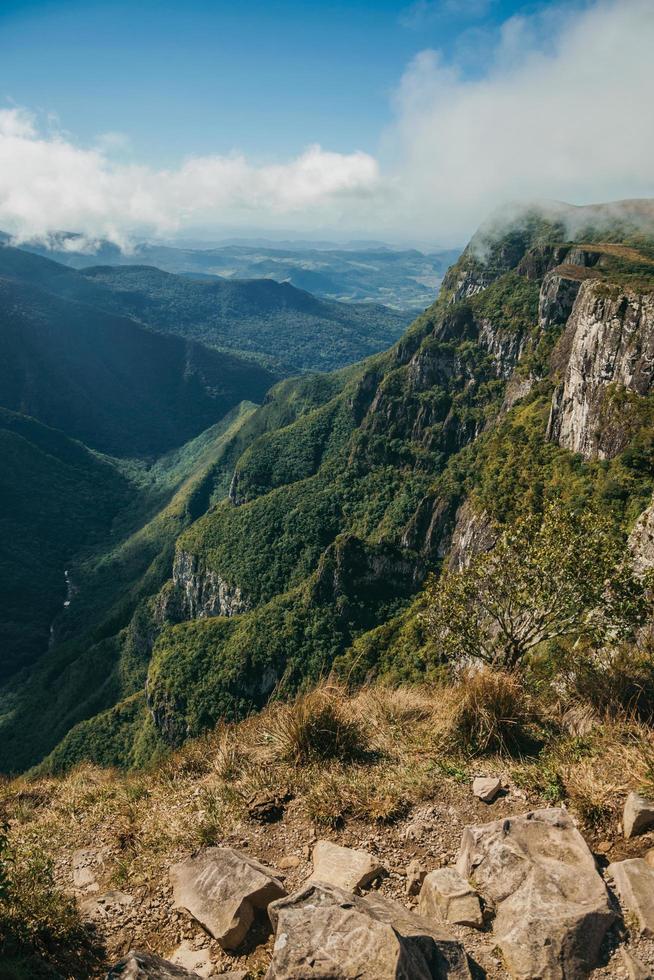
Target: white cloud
{"points": [[48, 183], [563, 110]]}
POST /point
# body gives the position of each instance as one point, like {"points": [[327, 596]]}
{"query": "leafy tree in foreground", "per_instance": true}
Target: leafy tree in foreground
{"points": [[563, 575]]}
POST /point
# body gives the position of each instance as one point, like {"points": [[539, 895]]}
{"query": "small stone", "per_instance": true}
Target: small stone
{"points": [[416, 873], [289, 862], [649, 857], [344, 867], [638, 815], [603, 847], [486, 788], [634, 881], [447, 896], [267, 807]]}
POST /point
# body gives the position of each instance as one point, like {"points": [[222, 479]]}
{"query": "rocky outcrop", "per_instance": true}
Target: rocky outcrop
{"points": [[223, 889], [473, 534], [552, 908], [503, 346], [199, 592], [608, 347], [325, 933]]}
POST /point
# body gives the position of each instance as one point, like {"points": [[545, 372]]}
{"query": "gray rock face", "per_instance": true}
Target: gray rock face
{"points": [[610, 340], [557, 296], [634, 881], [223, 889], [448, 897], [325, 933], [473, 534], [638, 815], [202, 592], [138, 965], [504, 347], [344, 867], [552, 908]]}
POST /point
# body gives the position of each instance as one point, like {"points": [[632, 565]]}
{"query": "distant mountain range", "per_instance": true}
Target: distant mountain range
{"points": [[360, 272]]}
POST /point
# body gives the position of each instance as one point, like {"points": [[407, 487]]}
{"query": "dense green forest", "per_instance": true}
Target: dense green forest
{"points": [[315, 520]]}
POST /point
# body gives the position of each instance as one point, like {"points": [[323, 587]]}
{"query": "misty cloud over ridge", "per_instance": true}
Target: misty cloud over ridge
{"points": [[562, 110]]}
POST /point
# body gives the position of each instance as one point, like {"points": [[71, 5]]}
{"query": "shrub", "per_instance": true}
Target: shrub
{"points": [[490, 711], [563, 576], [41, 934], [615, 682], [314, 727]]}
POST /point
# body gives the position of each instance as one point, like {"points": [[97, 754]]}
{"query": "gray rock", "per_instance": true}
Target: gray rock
{"points": [[223, 889], [486, 788], [638, 815], [445, 895], [344, 867], [552, 907], [326, 933], [416, 873], [138, 965], [634, 881]]}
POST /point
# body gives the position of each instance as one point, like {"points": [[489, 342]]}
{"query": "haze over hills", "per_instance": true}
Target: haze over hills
{"points": [[362, 272]]}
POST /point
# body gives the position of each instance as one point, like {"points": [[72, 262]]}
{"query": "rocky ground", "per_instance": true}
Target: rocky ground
{"points": [[115, 838]]}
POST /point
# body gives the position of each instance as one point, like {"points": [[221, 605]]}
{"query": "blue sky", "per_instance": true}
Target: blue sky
{"points": [[208, 77], [406, 121]]}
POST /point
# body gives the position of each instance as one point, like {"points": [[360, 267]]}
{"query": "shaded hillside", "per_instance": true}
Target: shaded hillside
{"points": [[106, 379], [55, 498], [292, 328]]}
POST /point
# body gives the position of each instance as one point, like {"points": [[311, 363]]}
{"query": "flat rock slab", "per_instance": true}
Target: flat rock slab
{"points": [[634, 881], [88, 864], [326, 933], [486, 788], [638, 815], [552, 907], [138, 965], [448, 897], [344, 867], [111, 904], [223, 889]]}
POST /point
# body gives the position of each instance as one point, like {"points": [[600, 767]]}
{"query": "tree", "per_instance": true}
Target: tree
{"points": [[563, 575]]}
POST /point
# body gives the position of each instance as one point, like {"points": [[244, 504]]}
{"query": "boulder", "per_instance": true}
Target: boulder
{"points": [[326, 933], [486, 788], [344, 867], [634, 881], [223, 889], [138, 965], [447, 896], [552, 907], [638, 815]]}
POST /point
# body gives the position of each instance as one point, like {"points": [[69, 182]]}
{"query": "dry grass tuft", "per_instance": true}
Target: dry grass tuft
{"points": [[315, 727], [490, 712]]}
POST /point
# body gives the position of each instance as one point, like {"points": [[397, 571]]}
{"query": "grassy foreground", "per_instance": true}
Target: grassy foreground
{"points": [[330, 759]]}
